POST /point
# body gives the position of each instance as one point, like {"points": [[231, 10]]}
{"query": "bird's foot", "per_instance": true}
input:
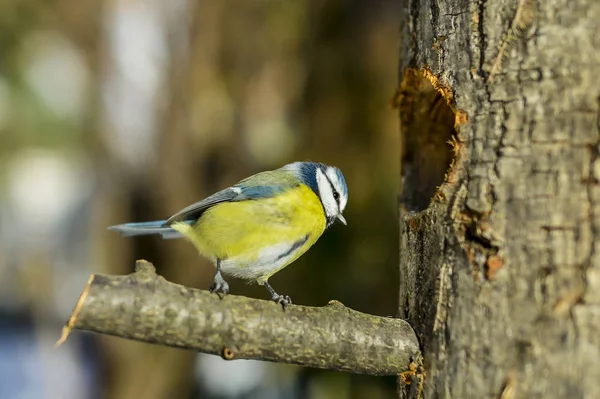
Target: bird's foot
{"points": [[219, 286], [284, 300]]}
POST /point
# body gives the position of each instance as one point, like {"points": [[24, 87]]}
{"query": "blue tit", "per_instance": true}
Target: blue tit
{"points": [[261, 224]]}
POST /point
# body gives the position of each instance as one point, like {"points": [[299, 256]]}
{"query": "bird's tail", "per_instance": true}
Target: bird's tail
{"points": [[146, 228]]}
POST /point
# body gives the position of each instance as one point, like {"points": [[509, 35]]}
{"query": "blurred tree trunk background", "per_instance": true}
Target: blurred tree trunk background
{"points": [[499, 272], [116, 111]]}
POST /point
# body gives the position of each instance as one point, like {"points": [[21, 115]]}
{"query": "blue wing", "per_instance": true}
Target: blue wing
{"points": [[188, 214], [239, 192], [194, 211], [261, 185]]}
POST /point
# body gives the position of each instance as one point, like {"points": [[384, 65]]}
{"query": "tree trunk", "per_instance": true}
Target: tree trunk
{"points": [[499, 272]]}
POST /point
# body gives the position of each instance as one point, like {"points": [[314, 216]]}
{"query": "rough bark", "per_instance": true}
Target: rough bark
{"points": [[145, 307], [500, 273]]}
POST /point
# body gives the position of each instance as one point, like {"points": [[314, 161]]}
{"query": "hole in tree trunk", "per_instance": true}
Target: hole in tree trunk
{"points": [[427, 123]]}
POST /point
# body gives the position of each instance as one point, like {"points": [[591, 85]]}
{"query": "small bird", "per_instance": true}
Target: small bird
{"points": [[260, 225]]}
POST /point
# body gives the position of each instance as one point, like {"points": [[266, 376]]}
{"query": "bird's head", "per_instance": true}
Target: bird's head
{"points": [[328, 183]]}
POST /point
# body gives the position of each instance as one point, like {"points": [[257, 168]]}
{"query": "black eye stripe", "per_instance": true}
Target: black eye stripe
{"points": [[336, 195]]}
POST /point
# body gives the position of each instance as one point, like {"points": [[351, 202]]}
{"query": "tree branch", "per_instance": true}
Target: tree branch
{"points": [[145, 307]]}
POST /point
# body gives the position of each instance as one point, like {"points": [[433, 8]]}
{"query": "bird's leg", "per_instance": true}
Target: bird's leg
{"points": [[283, 300], [219, 286]]}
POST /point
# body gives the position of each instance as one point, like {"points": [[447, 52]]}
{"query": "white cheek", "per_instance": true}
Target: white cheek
{"points": [[343, 202], [326, 193], [333, 177]]}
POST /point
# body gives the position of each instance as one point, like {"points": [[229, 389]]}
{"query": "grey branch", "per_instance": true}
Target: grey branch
{"points": [[143, 306]]}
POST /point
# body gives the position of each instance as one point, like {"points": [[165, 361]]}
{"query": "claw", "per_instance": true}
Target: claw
{"points": [[219, 286], [284, 300]]}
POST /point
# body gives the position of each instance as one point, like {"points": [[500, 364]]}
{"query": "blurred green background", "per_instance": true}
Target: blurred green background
{"points": [[128, 110]]}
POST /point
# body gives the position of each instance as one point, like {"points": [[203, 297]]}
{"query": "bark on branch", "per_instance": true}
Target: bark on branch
{"points": [[143, 306]]}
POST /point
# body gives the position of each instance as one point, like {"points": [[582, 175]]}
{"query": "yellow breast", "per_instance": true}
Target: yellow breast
{"points": [[256, 238]]}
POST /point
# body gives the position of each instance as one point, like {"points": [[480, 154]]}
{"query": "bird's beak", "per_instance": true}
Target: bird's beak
{"points": [[342, 219]]}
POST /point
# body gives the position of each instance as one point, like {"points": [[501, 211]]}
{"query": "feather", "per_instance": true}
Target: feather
{"points": [[262, 185], [146, 228], [193, 212]]}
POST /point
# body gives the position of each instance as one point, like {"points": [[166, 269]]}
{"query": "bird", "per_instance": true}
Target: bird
{"points": [[259, 225]]}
